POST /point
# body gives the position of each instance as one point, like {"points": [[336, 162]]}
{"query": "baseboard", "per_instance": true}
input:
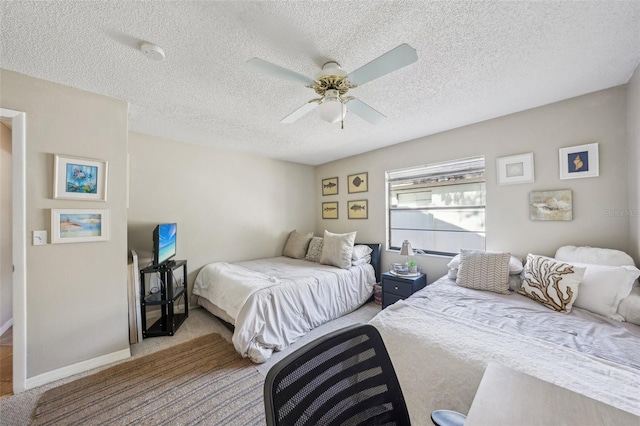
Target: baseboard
{"points": [[80, 367], [7, 325]]}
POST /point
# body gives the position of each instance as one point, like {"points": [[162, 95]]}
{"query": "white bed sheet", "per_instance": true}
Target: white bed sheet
{"points": [[441, 339], [278, 300]]}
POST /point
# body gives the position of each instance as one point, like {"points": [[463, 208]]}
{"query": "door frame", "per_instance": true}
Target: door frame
{"points": [[19, 232]]}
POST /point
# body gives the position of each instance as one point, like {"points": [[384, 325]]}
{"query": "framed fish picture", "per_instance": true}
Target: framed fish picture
{"points": [[79, 225], [330, 210], [358, 209], [330, 186], [76, 178], [358, 182]]}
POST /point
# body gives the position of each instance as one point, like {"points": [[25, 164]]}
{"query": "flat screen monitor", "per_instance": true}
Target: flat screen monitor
{"points": [[164, 242]]}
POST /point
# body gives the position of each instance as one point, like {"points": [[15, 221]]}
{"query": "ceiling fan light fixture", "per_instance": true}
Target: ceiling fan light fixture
{"points": [[331, 109]]}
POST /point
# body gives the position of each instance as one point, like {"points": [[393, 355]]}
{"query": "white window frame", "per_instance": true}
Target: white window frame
{"points": [[468, 171]]}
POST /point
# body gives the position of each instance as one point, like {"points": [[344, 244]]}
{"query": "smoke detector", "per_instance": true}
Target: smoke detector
{"points": [[152, 51]]}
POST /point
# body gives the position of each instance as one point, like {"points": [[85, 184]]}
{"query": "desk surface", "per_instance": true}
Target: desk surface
{"points": [[509, 397]]}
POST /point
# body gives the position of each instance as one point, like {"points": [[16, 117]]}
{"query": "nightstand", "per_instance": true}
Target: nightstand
{"points": [[396, 288]]}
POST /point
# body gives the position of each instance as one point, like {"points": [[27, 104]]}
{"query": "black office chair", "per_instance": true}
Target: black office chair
{"points": [[343, 378]]}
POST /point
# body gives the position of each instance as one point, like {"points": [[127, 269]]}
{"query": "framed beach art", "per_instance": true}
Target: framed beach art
{"points": [[579, 161], [76, 178], [358, 209], [79, 225], [330, 186], [330, 210], [515, 169]]}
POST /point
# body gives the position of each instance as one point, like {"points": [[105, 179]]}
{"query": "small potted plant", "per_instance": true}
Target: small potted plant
{"points": [[413, 267]]}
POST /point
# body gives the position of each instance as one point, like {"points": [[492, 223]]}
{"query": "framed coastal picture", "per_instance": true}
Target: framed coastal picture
{"points": [[330, 210], [330, 186], [551, 205], [358, 182], [579, 161], [515, 169], [78, 178], [79, 225], [358, 209]]}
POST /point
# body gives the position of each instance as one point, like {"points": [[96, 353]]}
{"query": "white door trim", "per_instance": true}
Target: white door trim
{"points": [[19, 198]]}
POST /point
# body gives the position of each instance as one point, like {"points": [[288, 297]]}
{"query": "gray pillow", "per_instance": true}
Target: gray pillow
{"points": [[488, 271], [315, 249], [338, 249], [297, 244]]}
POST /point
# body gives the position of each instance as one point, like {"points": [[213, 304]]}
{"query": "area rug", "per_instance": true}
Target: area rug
{"points": [[202, 381]]}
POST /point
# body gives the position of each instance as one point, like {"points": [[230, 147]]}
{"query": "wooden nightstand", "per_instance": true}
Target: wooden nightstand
{"points": [[396, 288]]}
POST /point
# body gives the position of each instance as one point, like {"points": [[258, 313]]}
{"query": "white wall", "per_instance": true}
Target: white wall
{"points": [[633, 118], [6, 256], [599, 117], [76, 293], [229, 206]]}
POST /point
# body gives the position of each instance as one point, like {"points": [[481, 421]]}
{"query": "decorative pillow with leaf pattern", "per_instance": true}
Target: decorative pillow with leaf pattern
{"points": [[551, 282]]}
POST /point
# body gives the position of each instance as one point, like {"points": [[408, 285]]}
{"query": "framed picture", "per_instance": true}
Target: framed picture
{"points": [[358, 182], [579, 161], [79, 225], [330, 186], [330, 210], [80, 178], [551, 205], [515, 169], [358, 209]]}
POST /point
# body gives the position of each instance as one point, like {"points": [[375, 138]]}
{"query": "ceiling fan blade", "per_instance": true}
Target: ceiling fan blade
{"points": [[369, 114], [264, 67], [393, 60], [309, 106]]}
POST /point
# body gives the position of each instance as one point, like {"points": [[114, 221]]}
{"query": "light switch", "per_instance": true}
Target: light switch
{"points": [[39, 238]]}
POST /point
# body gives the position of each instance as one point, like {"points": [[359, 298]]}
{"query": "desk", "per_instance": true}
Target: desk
{"points": [[509, 397]]}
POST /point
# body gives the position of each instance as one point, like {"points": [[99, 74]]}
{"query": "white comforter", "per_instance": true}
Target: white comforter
{"points": [[273, 302], [441, 339]]}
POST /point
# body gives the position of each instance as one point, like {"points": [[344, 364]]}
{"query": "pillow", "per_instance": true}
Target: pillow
{"points": [[297, 244], [515, 281], [629, 307], [315, 249], [550, 282], [361, 261], [515, 264], [360, 251], [594, 256], [484, 271], [338, 249], [603, 288]]}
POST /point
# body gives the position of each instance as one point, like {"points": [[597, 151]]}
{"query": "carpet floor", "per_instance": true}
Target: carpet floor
{"points": [[203, 381]]}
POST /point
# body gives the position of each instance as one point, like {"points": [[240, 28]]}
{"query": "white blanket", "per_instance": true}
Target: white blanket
{"points": [[273, 302], [440, 355]]}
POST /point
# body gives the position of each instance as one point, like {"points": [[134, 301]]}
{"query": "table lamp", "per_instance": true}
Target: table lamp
{"points": [[406, 250]]}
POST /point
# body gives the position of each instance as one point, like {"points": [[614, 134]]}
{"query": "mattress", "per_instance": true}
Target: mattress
{"points": [[273, 302], [441, 339]]}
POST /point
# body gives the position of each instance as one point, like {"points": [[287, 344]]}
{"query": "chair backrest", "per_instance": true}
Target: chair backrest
{"points": [[343, 378]]}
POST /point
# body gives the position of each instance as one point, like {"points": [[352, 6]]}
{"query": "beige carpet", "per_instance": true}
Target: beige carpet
{"points": [[200, 381]]}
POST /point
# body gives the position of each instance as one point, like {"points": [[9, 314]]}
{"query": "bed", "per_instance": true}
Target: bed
{"points": [[441, 339], [273, 302]]}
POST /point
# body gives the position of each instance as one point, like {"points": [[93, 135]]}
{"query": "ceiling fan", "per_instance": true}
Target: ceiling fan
{"points": [[332, 84]]}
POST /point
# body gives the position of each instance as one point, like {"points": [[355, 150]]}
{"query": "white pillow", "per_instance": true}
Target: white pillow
{"points": [[297, 244], [539, 282], [603, 288], [337, 249], [515, 264], [361, 261], [484, 271], [594, 256], [629, 307], [515, 280], [360, 251]]}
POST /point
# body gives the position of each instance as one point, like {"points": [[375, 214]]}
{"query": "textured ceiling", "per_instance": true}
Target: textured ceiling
{"points": [[477, 60]]}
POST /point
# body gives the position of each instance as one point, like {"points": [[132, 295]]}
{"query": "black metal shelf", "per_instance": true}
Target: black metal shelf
{"points": [[164, 300]]}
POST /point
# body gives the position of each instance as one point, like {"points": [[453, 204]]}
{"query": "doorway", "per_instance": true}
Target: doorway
{"points": [[6, 262], [17, 123]]}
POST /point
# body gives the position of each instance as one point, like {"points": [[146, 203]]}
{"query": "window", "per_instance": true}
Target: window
{"points": [[440, 207]]}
